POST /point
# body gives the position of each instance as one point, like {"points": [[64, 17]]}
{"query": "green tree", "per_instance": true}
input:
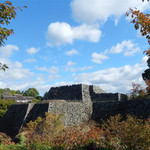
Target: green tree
{"points": [[45, 95], [12, 92], [7, 13], [1, 92], [18, 92], [31, 92]]}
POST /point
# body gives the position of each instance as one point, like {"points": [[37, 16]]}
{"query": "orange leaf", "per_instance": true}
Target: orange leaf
{"points": [[8, 3]]}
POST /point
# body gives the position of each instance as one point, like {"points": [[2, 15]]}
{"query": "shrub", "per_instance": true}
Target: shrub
{"points": [[36, 101], [4, 105], [131, 133], [4, 138], [12, 147], [51, 126], [46, 128], [32, 125]]}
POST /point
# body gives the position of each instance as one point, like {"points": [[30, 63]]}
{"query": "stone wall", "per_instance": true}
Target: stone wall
{"points": [[95, 90], [74, 113], [78, 109], [73, 92], [103, 97], [76, 92], [14, 118], [138, 108]]}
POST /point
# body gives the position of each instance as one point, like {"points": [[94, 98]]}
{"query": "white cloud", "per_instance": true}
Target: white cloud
{"points": [[30, 60], [17, 64], [32, 50], [52, 70], [18, 78], [98, 57], [15, 72], [7, 50], [115, 79], [41, 69], [85, 68], [61, 33], [127, 47], [62, 83], [70, 63], [100, 10], [69, 66], [53, 77], [71, 52]]}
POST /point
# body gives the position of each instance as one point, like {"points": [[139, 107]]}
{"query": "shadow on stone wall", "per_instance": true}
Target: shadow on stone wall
{"points": [[36, 111], [12, 121], [138, 108], [72, 92]]}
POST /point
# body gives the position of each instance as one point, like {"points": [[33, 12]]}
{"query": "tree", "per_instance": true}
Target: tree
{"points": [[31, 92], [7, 13], [141, 22], [18, 92], [45, 95]]}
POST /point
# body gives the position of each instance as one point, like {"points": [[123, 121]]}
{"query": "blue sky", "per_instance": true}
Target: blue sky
{"points": [[61, 42]]}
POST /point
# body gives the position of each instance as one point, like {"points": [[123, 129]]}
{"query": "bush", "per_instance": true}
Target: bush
{"points": [[46, 128], [131, 133], [4, 105], [32, 125], [52, 125], [36, 101], [50, 132]]}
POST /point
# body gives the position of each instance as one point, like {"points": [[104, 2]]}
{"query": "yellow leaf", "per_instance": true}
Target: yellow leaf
{"points": [[3, 69]]}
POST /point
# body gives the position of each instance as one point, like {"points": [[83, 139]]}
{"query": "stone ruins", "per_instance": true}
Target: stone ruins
{"points": [[79, 103]]}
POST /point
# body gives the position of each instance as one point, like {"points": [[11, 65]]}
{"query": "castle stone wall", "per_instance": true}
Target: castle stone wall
{"points": [[14, 118], [138, 108], [78, 103], [73, 92], [75, 113], [95, 89], [108, 97]]}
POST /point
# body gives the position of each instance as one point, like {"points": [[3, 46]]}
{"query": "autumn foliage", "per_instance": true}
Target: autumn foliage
{"points": [[141, 22], [7, 13], [117, 133]]}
